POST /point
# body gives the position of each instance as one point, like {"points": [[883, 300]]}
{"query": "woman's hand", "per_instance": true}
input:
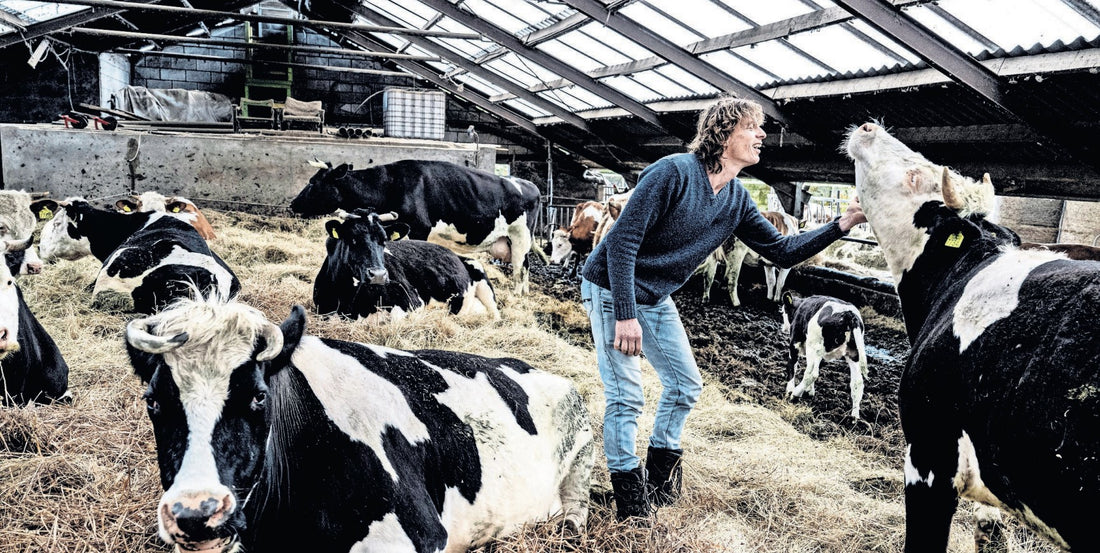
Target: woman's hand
{"points": [[853, 216]]}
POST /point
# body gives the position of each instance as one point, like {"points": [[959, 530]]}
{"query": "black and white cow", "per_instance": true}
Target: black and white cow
{"points": [[151, 256], [22, 259], [1000, 398], [17, 224], [823, 328], [285, 442], [31, 367], [54, 242], [736, 254], [368, 272], [478, 204]]}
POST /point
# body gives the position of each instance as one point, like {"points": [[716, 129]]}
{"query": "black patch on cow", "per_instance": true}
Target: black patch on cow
{"points": [[37, 372], [422, 193], [14, 260]]}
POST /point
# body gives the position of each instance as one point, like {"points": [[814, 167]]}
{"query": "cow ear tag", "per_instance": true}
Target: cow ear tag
{"points": [[334, 234], [176, 209], [954, 241], [395, 235], [44, 214], [126, 208]]}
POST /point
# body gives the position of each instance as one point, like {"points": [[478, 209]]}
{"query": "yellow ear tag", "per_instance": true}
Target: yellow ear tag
{"points": [[395, 235], [44, 214], [954, 241], [176, 209], [334, 235], [126, 208]]}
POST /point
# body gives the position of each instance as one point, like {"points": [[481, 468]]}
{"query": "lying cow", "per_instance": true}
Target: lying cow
{"points": [[177, 205], [1079, 252], [823, 328], [578, 236], [999, 399], [478, 204], [31, 367], [151, 256], [54, 242], [735, 253], [368, 272], [282, 442], [17, 224]]}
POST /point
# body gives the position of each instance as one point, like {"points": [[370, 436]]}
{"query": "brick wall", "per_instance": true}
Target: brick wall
{"points": [[38, 95]]}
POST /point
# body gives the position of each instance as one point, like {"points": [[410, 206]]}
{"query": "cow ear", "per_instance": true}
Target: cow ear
{"points": [[331, 227], [788, 298], [174, 206], [126, 206], [292, 328], [44, 209], [396, 231], [340, 171]]}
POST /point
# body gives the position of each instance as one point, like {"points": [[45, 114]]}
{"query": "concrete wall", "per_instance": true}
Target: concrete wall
{"points": [[229, 171]]}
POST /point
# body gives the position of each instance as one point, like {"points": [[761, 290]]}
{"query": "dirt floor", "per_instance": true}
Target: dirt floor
{"points": [[744, 348]]}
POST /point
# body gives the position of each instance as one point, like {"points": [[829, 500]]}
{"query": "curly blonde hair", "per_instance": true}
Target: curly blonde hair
{"points": [[716, 123]]}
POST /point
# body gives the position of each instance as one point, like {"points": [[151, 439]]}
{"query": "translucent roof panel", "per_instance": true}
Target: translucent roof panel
{"points": [[685, 79], [842, 50], [738, 68], [525, 108], [1012, 23], [671, 30], [600, 33], [631, 88], [576, 98], [770, 11], [520, 70], [35, 12], [510, 15], [704, 17], [780, 60], [569, 55], [667, 87]]}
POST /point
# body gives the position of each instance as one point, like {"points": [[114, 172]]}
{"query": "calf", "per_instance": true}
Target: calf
{"points": [[823, 328], [615, 205], [998, 401], [367, 273], [735, 254], [580, 234], [177, 205], [31, 367], [477, 204], [276, 441], [151, 256]]}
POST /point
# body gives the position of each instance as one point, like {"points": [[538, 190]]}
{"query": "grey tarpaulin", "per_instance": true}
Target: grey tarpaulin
{"points": [[175, 104]]}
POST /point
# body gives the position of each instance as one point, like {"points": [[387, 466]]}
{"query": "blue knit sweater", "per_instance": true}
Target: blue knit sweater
{"points": [[673, 221]]}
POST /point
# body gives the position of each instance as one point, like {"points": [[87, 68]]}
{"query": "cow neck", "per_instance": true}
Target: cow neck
{"points": [[111, 229], [954, 249]]}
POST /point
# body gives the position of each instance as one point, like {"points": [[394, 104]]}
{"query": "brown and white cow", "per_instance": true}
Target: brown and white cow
{"points": [[735, 254], [999, 400], [615, 205], [576, 240], [276, 441], [178, 206]]}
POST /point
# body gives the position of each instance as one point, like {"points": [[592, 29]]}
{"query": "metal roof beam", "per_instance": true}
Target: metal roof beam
{"points": [[506, 39], [9, 20], [250, 45], [475, 68], [198, 13], [223, 59], [1084, 9], [574, 21], [672, 52], [56, 24]]}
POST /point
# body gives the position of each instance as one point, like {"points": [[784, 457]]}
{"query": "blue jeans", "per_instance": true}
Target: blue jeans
{"points": [[666, 346]]}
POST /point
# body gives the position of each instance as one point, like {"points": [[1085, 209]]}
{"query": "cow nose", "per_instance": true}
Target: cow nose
{"points": [[34, 268], [378, 276], [868, 127], [195, 516]]}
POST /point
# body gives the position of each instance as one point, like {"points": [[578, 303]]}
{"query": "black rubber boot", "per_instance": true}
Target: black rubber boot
{"points": [[664, 475], [630, 494]]}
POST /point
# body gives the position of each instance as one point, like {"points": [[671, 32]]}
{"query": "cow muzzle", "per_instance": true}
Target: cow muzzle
{"points": [[8, 346], [196, 521], [378, 276]]}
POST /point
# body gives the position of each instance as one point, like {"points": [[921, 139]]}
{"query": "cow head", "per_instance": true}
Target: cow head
{"points": [[54, 242], [77, 212], [561, 246], [322, 195], [177, 206], [209, 366], [17, 220], [357, 244], [9, 303], [790, 305]]}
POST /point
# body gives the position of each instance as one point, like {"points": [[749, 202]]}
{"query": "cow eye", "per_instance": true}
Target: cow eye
{"points": [[258, 401]]}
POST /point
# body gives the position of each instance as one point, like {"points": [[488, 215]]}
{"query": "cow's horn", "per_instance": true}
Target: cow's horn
{"points": [[950, 198], [18, 245], [318, 163], [39, 195], [273, 338], [391, 216], [138, 336]]}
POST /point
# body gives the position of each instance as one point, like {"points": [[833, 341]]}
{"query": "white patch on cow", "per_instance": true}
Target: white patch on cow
{"points": [[384, 352], [516, 185], [55, 243], [912, 475], [561, 247], [384, 536], [968, 479], [516, 459], [993, 293], [178, 256], [359, 402], [517, 233], [355, 281], [9, 307]]}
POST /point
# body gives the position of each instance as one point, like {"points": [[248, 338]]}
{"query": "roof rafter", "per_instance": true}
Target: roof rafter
{"points": [[573, 21], [57, 24], [506, 39]]}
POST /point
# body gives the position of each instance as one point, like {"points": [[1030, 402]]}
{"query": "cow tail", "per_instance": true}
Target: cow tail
{"points": [[857, 340]]}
